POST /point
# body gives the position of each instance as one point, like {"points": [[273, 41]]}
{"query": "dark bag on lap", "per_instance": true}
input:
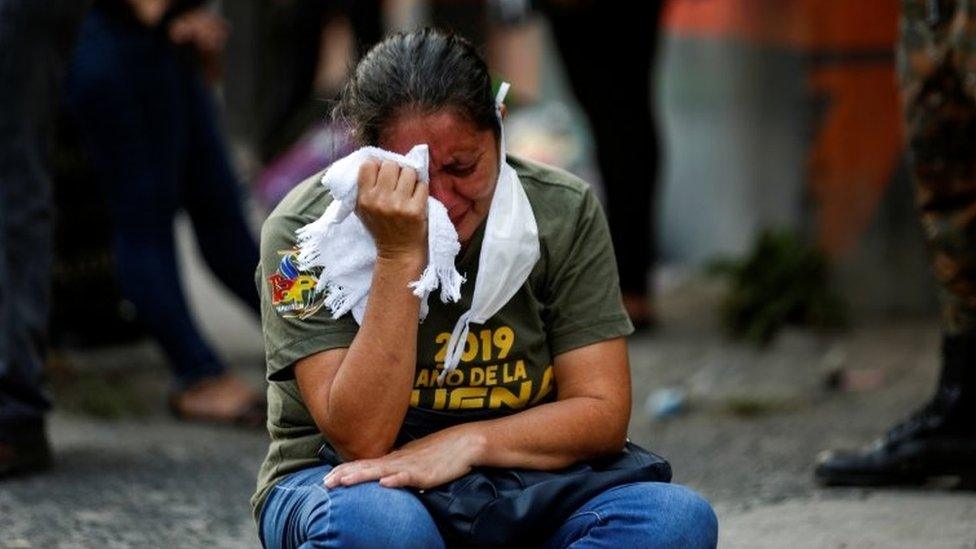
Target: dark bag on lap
{"points": [[491, 507]]}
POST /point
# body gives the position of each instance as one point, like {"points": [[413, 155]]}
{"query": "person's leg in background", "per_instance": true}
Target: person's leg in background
{"points": [[301, 512], [290, 34], [291, 39], [938, 69], [366, 18], [645, 514], [211, 195], [128, 92], [35, 41], [595, 39], [467, 19]]}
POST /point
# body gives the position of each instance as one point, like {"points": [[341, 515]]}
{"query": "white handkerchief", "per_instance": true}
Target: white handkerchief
{"points": [[340, 244], [508, 253]]}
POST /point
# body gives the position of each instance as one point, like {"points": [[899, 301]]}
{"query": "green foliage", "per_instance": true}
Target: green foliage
{"points": [[782, 281]]}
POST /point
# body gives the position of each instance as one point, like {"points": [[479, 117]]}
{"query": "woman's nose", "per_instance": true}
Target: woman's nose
{"points": [[442, 189]]}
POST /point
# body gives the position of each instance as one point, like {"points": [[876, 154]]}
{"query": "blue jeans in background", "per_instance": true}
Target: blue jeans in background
{"points": [[301, 512], [35, 41], [149, 126]]}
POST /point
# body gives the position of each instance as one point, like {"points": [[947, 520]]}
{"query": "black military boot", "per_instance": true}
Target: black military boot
{"points": [[937, 440]]}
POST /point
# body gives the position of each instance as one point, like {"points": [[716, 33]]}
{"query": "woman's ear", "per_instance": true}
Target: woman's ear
{"points": [[503, 110]]}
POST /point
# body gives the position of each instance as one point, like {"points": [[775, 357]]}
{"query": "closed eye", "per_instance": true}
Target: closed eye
{"points": [[460, 171]]}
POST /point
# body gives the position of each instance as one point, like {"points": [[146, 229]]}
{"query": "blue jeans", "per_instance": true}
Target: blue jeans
{"points": [[150, 129], [35, 41], [301, 512]]}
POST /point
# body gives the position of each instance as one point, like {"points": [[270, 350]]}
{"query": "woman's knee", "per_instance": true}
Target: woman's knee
{"points": [[669, 515], [693, 518], [370, 515]]}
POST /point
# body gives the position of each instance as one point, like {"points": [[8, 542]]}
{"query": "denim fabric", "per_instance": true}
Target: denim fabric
{"points": [[301, 512], [35, 41]]}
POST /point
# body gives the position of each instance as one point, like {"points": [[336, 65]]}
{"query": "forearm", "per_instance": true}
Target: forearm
{"points": [[371, 391], [551, 435], [589, 420]]}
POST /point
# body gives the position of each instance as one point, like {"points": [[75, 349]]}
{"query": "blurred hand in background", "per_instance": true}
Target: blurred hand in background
{"points": [[149, 12], [204, 30]]}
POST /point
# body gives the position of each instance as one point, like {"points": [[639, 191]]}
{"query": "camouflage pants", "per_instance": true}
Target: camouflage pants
{"points": [[937, 69]]}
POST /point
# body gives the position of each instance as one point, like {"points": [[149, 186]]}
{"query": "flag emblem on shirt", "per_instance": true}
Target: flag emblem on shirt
{"points": [[293, 293]]}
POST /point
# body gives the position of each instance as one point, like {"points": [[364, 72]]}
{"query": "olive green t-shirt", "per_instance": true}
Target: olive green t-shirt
{"points": [[571, 299]]}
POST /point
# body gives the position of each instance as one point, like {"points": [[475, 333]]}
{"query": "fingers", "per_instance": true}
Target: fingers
{"points": [[393, 188], [389, 173], [392, 208], [337, 472], [368, 172], [387, 176], [355, 472], [396, 480], [406, 182], [366, 474], [420, 193]]}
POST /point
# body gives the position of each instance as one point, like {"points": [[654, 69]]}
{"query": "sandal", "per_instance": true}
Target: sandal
{"points": [[224, 399]]}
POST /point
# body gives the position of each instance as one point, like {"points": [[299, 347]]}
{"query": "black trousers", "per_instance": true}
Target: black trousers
{"points": [[609, 50], [35, 42]]}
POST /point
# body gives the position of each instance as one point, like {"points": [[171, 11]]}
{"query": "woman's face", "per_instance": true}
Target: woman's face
{"points": [[463, 162]]}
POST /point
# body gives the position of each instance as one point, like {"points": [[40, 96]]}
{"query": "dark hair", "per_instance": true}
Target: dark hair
{"points": [[427, 70]]}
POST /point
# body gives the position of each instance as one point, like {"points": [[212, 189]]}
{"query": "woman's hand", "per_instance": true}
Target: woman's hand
{"points": [[423, 463], [393, 206]]}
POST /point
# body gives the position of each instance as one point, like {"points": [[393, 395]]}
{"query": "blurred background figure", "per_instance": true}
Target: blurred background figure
{"points": [[287, 60], [607, 55], [35, 41], [937, 63], [137, 92], [608, 51], [298, 40]]}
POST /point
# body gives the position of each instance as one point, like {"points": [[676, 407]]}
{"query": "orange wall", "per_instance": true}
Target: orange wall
{"points": [[859, 140], [808, 24]]}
